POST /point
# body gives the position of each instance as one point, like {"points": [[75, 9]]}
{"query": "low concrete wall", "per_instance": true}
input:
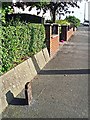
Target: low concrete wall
{"points": [[12, 82], [39, 61], [46, 54]]}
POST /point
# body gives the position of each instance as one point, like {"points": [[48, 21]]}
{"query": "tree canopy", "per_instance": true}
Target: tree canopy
{"points": [[55, 6]]}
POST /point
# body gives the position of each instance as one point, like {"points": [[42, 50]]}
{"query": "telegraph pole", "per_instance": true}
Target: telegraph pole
{"points": [[84, 11]]}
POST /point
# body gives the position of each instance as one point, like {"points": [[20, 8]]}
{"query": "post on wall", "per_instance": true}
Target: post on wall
{"points": [[64, 30], [48, 35], [52, 38]]}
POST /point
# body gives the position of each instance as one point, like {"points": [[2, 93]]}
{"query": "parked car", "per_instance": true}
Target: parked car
{"points": [[86, 23]]}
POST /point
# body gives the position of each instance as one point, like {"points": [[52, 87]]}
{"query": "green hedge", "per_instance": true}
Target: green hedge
{"points": [[62, 22], [0, 50], [20, 41], [73, 20]]}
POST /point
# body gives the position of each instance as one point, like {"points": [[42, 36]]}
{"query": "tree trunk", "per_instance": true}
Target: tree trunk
{"points": [[53, 17]]}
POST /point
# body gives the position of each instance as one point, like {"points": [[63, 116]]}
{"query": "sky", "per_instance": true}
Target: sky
{"points": [[79, 12]]}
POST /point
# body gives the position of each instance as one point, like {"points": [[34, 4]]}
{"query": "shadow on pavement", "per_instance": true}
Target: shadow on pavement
{"points": [[72, 71], [11, 100]]}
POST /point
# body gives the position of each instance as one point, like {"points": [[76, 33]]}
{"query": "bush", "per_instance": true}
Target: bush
{"points": [[20, 41], [73, 20], [62, 22]]}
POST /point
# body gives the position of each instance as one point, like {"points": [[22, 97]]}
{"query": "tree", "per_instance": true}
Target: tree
{"points": [[55, 6], [59, 8]]}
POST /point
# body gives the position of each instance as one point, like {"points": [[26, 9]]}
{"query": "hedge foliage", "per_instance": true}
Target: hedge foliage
{"points": [[62, 22], [73, 20], [0, 50], [20, 41]]}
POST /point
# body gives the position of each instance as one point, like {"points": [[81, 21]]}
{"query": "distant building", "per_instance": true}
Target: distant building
{"points": [[89, 10]]}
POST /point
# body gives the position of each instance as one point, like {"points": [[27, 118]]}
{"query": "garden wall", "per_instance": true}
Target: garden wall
{"points": [[66, 32], [54, 44], [52, 38]]}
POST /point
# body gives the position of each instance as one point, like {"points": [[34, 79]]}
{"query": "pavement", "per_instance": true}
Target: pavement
{"points": [[60, 90]]}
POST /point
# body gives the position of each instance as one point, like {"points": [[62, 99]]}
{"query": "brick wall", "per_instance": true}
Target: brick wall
{"points": [[70, 33], [52, 38], [54, 45]]}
